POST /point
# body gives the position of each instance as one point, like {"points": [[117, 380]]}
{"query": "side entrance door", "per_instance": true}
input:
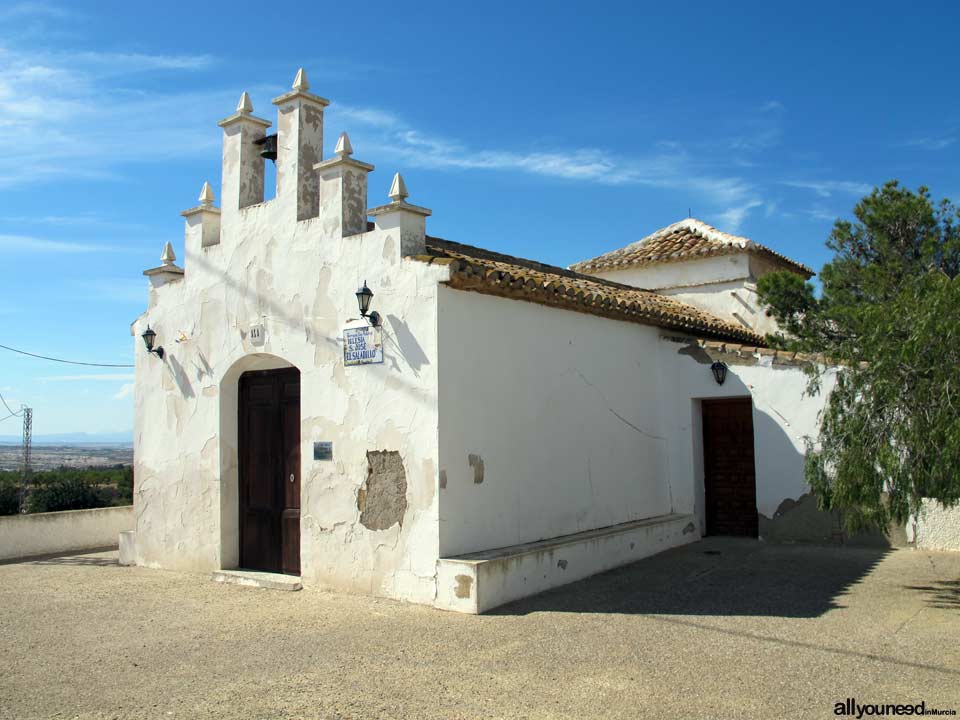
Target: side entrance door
{"points": [[269, 452], [730, 484]]}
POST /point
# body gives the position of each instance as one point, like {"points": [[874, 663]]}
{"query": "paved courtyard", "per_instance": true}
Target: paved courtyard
{"points": [[720, 629]]}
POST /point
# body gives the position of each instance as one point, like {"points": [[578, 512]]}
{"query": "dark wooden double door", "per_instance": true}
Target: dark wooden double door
{"points": [[269, 451], [730, 483]]}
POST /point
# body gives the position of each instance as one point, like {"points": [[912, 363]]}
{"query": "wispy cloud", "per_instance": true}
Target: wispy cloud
{"points": [[85, 113], [930, 143], [26, 243], [826, 188], [124, 391], [90, 376], [669, 164]]}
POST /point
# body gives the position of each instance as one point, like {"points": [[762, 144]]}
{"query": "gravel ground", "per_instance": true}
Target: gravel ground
{"points": [[720, 629]]}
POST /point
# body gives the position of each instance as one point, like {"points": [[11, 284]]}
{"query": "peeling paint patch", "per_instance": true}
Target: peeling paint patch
{"points": [[382, 499], [562, 564], [689, 528], [476, 462], [443, 479], [464, 584]]}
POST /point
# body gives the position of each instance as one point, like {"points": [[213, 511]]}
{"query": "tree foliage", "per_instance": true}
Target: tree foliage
{"points": [[888, 319], [67, 488]]}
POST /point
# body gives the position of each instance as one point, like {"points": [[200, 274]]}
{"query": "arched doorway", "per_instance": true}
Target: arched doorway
{"points": [[268, 454]]}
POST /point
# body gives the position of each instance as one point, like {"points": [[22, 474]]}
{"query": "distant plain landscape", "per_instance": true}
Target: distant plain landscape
{"points": [[48, 456]]}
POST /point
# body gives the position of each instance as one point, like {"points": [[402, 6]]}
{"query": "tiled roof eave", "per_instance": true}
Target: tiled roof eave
{"points": [[589, 266], [564, 289]]}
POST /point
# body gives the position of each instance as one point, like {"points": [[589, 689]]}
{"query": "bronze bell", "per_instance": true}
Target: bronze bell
{"points": [[269, 149]]}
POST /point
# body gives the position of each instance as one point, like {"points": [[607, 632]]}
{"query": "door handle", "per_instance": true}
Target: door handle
{"points": [[292, 478]]}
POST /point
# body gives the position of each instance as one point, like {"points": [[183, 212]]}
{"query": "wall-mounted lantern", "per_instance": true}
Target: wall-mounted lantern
{"points": [[719, 371], [148, 338], [364, 296]]}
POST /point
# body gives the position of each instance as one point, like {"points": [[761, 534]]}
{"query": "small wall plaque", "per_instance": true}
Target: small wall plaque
{"points": [[323, 451]]}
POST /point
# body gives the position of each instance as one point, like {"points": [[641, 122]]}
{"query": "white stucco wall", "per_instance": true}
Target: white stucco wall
{"points": [[43, 533], [937, 527], [583, 422], [724, 285], [563, 411], [297, 279], [682, 273], [784, 415]]}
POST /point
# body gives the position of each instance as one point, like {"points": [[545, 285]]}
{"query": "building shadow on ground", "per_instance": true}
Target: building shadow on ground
{"points": [[717, 576]]}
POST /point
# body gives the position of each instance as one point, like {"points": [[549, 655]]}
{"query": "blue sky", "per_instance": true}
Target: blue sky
{"points": [[555, 131]]}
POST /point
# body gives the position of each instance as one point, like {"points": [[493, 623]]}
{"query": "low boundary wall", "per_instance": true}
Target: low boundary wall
{"points": [[32, 534]]}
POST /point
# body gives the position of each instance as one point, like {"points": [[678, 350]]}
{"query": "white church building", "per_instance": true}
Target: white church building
{"points": [[486, 428]]}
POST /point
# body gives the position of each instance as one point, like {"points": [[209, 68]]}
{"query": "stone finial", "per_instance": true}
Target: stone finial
{"points": [[245, 106], [300, 83], [398, 189], [344, 148], [168, 257], [206, 195]]}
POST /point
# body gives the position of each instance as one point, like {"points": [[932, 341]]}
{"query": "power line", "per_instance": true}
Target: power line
{"points": [[9, 409], [68, 362]]}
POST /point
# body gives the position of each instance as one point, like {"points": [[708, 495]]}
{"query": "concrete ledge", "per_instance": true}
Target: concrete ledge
{"points": [[251, 578], [480, 581], [33, 534]]}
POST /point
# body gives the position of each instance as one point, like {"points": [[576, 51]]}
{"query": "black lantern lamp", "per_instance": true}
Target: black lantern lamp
{"points": [[148, 337], [364, 296], [269, 149], [719, 371]]}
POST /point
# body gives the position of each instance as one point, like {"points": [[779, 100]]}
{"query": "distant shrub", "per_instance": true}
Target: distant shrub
{"points": [[9, 495], [68, 488], [125, 485], [71, 492]]}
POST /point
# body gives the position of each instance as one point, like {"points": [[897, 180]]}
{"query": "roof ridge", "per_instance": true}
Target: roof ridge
{"points": [[716, 241]]}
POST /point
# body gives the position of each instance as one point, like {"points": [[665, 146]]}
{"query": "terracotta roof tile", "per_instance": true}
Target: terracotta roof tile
{"points": [[492, 273], [683, 240]]}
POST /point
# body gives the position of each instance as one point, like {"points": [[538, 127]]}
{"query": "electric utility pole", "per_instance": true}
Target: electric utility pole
{"points": [[27, 468]]}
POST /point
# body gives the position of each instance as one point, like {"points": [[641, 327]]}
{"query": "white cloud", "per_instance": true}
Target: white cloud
{"points": [[826, 188], [931, 143], [85, 114], [14, 243], [124, 391], [732, 218], [91, 376], [670, 166]]}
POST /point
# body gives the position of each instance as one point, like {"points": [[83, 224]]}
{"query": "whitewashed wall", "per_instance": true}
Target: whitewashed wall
{"points": [[784, 415], [582, 422], [563, 411], [723, 285], [42, 533], [297, 279]]}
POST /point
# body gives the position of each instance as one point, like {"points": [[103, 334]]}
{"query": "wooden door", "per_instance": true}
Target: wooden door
{"points": [[269, 438], [730, 485]]}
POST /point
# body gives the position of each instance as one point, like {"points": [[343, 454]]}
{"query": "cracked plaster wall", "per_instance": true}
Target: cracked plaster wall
{"points": [[298, 280], [557, 412]]}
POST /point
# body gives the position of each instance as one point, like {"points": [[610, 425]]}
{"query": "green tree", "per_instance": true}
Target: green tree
{"points": [[888, 318]]}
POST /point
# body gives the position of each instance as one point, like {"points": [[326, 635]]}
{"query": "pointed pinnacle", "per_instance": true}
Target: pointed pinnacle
{"points": [[300, 82], [344, 148], [245, 106], [398, 189], [168, 256], [206, 195]]}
